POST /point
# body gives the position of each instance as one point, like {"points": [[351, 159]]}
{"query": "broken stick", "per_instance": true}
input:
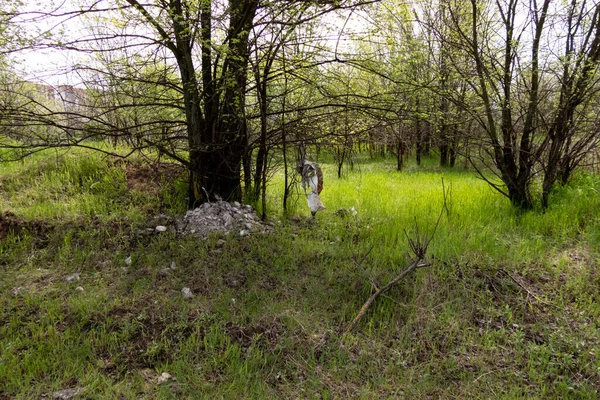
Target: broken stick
{"points": [[419, 263]]}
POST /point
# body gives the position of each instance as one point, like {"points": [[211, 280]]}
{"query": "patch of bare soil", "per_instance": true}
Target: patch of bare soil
{"points": [[150, 178], [265, 335], [11, 224]]}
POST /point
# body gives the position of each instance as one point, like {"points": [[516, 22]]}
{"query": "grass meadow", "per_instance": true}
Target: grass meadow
{"points": [[508, 308]]}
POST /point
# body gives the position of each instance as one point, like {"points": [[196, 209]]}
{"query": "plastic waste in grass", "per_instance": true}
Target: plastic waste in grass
{"points": [[312, 179]]}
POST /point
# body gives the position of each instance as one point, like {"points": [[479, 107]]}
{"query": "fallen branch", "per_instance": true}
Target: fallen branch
{"points": [[418, 263], [418, 246]]}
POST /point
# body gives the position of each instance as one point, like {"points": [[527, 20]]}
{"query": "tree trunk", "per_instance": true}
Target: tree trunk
{"points": [[220, 141], [399, 154]]}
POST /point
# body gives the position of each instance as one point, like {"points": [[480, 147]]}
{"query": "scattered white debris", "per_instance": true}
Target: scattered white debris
{"points": [[187, 293], [73, 277], [67, 394], [18, 290], [164, 377], [346, 212]]}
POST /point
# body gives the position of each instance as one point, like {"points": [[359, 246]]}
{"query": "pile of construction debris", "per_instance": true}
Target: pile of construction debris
{"points": [[221, 217]]}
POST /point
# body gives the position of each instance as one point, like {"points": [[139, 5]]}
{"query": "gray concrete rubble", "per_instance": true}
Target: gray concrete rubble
{"points": [[221, 217]]}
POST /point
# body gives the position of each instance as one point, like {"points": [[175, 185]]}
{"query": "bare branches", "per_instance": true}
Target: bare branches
{"points": [[418, 246], [419, 263]]}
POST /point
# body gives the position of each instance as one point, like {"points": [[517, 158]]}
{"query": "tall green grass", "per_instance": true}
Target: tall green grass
{"points": [[77, 183], [476, 221]]}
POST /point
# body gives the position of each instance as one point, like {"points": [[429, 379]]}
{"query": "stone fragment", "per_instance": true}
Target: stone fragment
{"points": [[187, 293], [73, 277], [164, 377], [67, 394]]}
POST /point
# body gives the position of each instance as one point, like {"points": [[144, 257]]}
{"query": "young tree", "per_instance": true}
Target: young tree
{"points": [[570, 134], [209, 43]]}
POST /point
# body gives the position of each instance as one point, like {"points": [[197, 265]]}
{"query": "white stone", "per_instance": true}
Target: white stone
{"points": [[73, 277], [128, 261], [187, 293], [164, 377], [160, 228], [66, 394]]}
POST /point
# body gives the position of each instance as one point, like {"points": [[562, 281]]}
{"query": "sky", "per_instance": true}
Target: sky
{"points": [[53, 67], [47, 66]]}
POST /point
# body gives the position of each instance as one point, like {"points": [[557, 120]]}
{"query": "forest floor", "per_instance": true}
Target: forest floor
{"points": [[91, 301]]}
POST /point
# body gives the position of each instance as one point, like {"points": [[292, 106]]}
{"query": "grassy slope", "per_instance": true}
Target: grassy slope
{"points": [[509, 307]]}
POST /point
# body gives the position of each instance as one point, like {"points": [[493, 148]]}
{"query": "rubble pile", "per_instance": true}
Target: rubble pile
{"points": [[221, 217]]}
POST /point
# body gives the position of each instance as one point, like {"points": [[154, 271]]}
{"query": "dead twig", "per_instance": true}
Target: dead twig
{"points": [[419, 263], [358, 265], [418, 246]]}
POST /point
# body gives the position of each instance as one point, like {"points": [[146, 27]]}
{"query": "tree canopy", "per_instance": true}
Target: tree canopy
{"points": [[219, 86]]}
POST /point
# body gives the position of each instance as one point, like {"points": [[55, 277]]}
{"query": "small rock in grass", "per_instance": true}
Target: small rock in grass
{"points": [[164, 377], [187, 293], [79, 289], [67, 394], [128, 261], [18, 290], [73, 277], [165, 271], [161, 228]]}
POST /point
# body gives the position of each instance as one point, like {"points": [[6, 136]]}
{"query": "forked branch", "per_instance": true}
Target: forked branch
{"points": [[418, 246]]}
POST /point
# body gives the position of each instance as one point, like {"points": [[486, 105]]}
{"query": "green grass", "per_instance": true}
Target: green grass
{"points": [[508, 308]]}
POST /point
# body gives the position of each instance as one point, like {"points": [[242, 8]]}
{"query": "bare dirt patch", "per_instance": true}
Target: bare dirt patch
{"points": [[11, 224], [265, 335], [150, 178]]}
